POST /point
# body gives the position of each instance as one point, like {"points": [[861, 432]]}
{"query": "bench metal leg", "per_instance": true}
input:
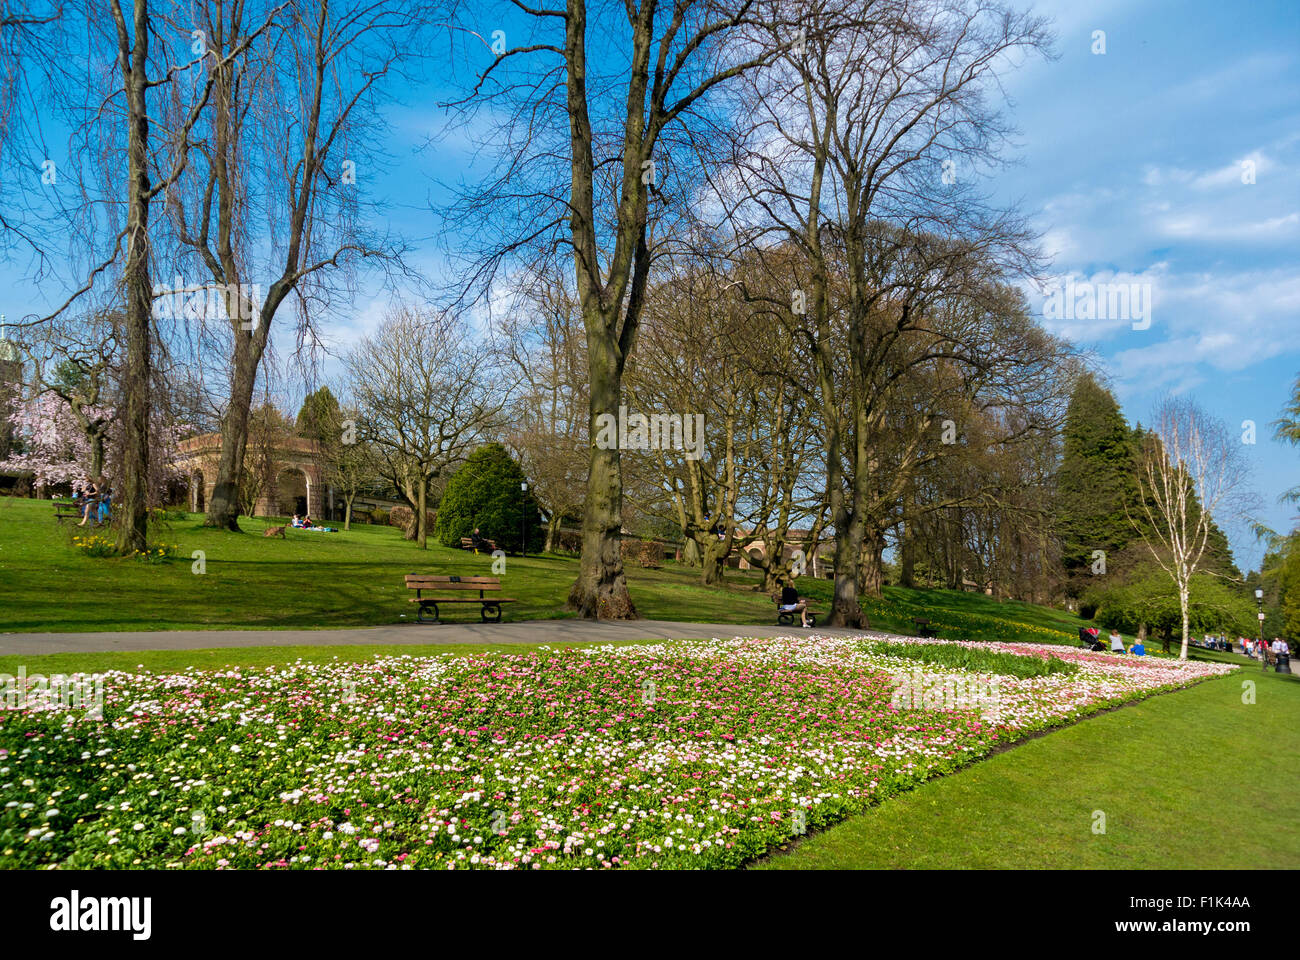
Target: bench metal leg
{"points": [[424, 608], [491, 608]]}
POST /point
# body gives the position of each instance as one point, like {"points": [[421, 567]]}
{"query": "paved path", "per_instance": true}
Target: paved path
{"points": [[527, 631]]}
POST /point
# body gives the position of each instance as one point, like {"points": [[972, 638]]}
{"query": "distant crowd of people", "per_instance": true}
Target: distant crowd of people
{"points": [[1092, 639], [1246, 645], [1255, 649]]}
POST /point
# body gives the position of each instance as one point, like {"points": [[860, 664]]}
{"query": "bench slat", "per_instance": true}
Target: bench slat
{"points": [[430, 578], [425, 585], [442, 600]]}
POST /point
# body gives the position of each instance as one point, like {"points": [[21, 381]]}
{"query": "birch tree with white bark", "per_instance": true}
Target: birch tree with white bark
{"points": [[1190, 469]]}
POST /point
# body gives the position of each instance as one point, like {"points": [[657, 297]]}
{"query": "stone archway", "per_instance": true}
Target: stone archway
{"points": [[298, 456]]}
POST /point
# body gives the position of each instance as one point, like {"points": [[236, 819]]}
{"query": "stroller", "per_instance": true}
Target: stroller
{"points": [[1090, 637]]}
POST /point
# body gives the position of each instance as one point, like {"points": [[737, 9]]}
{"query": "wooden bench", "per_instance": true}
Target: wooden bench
{"points": [[785, 618], [489, 607], [67, 510], [467, 543], [923, 628]]}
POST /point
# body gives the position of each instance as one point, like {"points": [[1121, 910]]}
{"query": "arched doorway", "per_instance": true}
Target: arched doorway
{"points": [[292, 491]]}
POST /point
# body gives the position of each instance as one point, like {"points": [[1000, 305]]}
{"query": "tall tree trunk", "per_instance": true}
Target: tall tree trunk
{"points": [[421, 517], [907, 546], [97, 454], [1183, 590], [872, 575], [223, 505], [347, 513], [713, 554], [132, 531], [845, 608], [552, 531], [600, 592]]}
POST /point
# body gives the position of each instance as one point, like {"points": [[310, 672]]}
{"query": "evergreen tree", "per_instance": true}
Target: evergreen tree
{"points": [[1095, 478], [319, 418], [485, 493]]}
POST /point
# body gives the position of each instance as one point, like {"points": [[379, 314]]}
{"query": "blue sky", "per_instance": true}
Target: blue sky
{"points": [[1130, 164]]}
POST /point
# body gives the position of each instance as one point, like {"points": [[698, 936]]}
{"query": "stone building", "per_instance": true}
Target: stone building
{"points": [[297, 480]]}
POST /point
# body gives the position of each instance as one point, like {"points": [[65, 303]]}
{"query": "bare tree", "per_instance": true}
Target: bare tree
{"points": [[542, 342], [426, 396], [105, 79], [858, 132], [707, 354], [591, 119], [350, 465], [1190, 468], [289, 134]]}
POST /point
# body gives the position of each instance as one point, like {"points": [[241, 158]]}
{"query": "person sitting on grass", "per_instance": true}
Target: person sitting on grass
{"points": [[1138, 650], [1116, 642], [791, 602]]}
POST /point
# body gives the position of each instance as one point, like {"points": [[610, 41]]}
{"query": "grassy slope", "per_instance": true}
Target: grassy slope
{"points": [[355, 579], [1192, 779]]}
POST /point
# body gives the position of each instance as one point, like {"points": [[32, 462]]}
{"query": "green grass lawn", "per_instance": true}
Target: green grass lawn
{"points": [[311, 580], [1192, 779], [354, 578]]}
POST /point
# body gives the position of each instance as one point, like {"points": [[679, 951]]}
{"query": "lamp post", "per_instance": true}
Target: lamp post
{"points": [[1263, 654], [523, 519]]}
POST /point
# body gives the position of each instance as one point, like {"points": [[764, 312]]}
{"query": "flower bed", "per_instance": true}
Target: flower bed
{"points": [[682, 754]]}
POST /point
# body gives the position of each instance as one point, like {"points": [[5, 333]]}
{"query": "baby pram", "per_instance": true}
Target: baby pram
{"points": [[1090, 637]]}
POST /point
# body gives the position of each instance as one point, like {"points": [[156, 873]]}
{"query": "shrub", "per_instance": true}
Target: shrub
{"points": [[400, 516], [380, 516], [485, 493], [404, 517], [650, 554]]}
